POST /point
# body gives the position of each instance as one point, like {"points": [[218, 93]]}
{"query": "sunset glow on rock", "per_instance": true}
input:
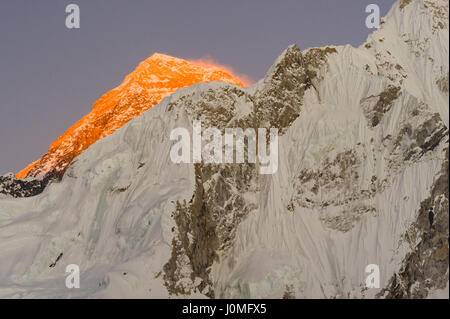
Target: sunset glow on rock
{"points": [[155, 78]]}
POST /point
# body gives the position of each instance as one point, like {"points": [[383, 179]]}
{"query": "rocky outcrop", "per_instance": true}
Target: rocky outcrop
{"points": [[14, 187], [206, 225], [426, 267]]}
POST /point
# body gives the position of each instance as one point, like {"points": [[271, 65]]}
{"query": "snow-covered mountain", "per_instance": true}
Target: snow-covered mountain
{"points": [[362, 179], [155, 78]]}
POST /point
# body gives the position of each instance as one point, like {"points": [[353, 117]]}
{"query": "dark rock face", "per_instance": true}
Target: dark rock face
{"points": [[426, 266], [206, 226], [11, 186], [442, 83], [383, 104]]}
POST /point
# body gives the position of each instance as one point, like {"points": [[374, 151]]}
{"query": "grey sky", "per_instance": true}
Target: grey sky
{"points": [[50, 76]]}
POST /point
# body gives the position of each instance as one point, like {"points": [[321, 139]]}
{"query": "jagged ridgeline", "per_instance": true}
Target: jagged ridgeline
{"points": [[362, 180]]}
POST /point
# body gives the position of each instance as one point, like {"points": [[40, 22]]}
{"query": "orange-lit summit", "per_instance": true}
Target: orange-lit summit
{"points": [[155, 78]]}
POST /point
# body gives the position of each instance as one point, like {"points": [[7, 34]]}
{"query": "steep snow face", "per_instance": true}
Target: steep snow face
{"points": [[155, 78], [358, 169], [362, 173], [411, 49], [362, 179], [110, 215]]}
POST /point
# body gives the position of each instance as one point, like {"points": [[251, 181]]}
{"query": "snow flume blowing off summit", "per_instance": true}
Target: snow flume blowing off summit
{"points": [[212, 152]]}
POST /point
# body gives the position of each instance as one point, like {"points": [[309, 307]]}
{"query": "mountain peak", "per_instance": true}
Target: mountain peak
{"points": [[158, 76], [162, 56]]}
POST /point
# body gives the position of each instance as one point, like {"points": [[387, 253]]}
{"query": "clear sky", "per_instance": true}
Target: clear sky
{"points": [[50, 76]]}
